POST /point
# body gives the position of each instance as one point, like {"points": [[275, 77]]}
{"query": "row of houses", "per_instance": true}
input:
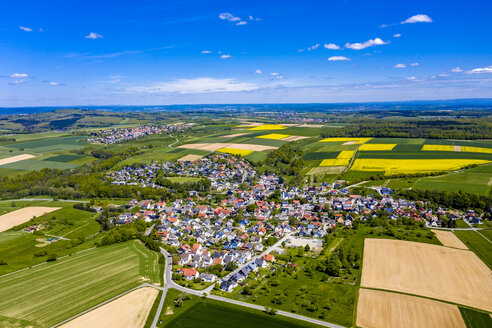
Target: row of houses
{"points": [[113, 136]]}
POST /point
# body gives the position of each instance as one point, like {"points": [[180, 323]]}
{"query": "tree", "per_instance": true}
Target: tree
{"points": [[307, 248]]}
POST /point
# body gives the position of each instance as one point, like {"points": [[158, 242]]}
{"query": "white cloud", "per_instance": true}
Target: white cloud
{"points": [[331, 46], [411, 78], [241, 23], [414, 64], [480, 70], [225, 56], [300, 50], [17, 82], [274, 74], [229, 17], [397, 35], [400, 66], [93, 36], [54, 84], [258, 71], [253, 18], [25, 29], [368, 43], [313, 47], [417, 19], [197, 85], [457, 70], [250, 17], [19, 76], [206, 52], [337, 58]]}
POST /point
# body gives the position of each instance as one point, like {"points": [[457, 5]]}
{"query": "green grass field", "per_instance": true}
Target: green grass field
{"points": [[204, 313], [475, 319], [49, 145], [64, 158], [481, 246], [50, 293]]}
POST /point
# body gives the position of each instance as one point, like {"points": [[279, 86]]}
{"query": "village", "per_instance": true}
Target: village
{"points": [[113, 136], [224, 241]]}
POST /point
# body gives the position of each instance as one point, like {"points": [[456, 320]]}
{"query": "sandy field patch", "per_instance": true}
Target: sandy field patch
{"points": [[25, 214], [235, 135], [326, 170], [128, 311], [311, 126], [294, 138], [249, 124], [457, 148], [314, 244], [251, 147], [378, 309], [439, 272], [190, 158], [216, 146], [349, 143], [205, 146], [14, 159], [448, 238]]}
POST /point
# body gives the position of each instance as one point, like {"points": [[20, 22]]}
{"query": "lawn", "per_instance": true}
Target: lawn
{"points": [[203, 313], [475, 319], [476, 183], [50, 293], [478, 244]]}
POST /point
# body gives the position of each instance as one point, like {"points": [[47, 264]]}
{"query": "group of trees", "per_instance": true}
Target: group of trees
{"points": [[285, 160], [430, 129], [457, 200], [201, 185], [347, 259]]}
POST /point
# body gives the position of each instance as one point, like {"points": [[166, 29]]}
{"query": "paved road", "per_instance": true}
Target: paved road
{"points": [[177, 140], [149, 230]]}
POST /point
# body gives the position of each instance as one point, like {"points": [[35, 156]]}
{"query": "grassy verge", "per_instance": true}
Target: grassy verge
{"points": [[475, 319]]}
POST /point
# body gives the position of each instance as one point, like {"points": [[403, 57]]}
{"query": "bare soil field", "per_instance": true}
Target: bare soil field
{"points": [[15, 218], [311, 125], [128, 311], [235, 135], [457, 148], [14, 159], [249, 124], [439, 272], [448, 238], [326, 170], [378, 309], [348, 143], [294, 138], [190, 158], [215, 146]]}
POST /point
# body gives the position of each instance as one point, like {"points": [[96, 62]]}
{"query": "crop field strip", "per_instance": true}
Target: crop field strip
{"points": [[438, 272], [449, 239], [51, 293], [380, 309], [343, 159]]}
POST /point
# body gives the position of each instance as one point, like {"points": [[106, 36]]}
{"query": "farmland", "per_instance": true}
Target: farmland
{"points": [[66, 287], [478, 244], [378, 309], [448, 238], [464, 278], [198, 312], [128, 311], [15, 218]]}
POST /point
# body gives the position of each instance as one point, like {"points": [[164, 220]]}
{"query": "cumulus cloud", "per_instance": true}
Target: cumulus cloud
{"points": [[206, 52], [93, 36], [19, 76], [313, 47], [400, 66], [241, 23], [457, 70], [337, 58], [198, 85], [229, 17], [368, 43], [480, 70], [397, 35], [331, 46], [225, 56], [414, 64], [417, 19], [25, 29], [258, 71]]}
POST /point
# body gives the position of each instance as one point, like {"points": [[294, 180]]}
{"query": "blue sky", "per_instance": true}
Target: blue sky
{"points": [[62, 53]]}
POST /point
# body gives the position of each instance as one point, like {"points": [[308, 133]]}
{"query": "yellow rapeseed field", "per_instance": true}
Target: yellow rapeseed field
{"points": [[268, 127], [357, 140], [343, 159], [395, 166], [234, 151], [476, 149], [274, 136], [376, 147], [438, 147]]}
